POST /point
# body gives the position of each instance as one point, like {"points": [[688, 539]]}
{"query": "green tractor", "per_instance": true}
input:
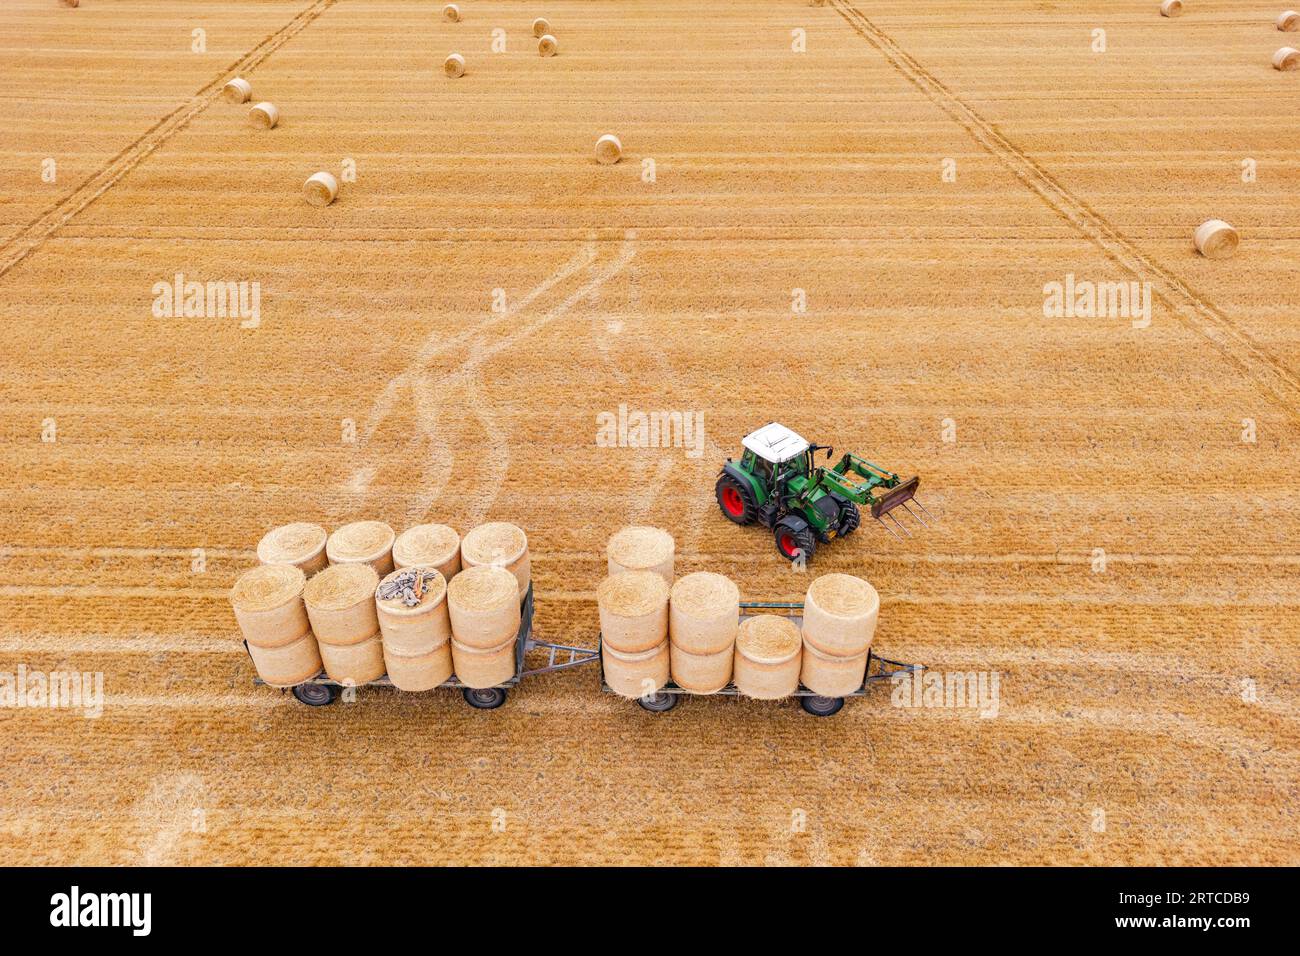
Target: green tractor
{"points": [[778, 484]]}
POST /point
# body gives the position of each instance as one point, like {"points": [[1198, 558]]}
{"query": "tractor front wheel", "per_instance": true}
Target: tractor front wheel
{"points": [[850, 518], [736, 500], [794, 542]]}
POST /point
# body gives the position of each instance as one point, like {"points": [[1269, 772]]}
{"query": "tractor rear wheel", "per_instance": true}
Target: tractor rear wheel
{"points": [[794, 540], [736, 500], [850, 518]]}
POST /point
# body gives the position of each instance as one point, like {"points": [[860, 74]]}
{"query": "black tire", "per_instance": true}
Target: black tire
{"points": [[736, 500], [486, 698], [794, 539], [658, 703], [822, 706], [850, 518], [316, 695]]}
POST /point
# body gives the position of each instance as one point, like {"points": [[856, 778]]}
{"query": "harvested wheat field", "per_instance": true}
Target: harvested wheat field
{"points": [[1117, 534]]}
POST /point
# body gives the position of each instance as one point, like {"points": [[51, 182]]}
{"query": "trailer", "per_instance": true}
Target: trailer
{"points": [[321, 690], [879, 669]]}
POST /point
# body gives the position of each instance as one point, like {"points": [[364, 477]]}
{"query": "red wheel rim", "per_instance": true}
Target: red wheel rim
{"points": [[788, 545], [731, 500]]}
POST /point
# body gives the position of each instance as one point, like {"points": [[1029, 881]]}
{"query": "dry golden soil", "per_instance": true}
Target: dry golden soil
{"points": [[1118, 524]]}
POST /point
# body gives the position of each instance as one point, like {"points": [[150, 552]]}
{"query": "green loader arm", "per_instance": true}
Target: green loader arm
{"points": [[866, 484]]}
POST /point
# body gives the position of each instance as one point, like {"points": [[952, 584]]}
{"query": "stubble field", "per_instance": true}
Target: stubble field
{"points": [[1118, 527]]}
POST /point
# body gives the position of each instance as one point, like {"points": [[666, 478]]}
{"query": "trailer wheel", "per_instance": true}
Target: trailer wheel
{"points": [[658, 703], [486, 698], [316, 695], [822, 706]]}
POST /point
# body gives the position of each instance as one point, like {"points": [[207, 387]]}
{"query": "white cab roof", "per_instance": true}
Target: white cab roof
{"points": [[775, 443]]}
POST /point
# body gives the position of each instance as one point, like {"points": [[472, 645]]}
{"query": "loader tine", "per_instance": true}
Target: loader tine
{"points": [[915, 515], [887, 528], [899, 523], [923, 508]]}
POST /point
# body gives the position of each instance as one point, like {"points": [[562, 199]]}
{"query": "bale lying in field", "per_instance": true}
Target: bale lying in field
{"points": [[608, 149], [541, 27], [264, 116], [1287, 58], [238, 90], [451, 12], [320, 189], [1215, 239], [548, 45], [1171, 8], [1288, 21], [454, 66]]}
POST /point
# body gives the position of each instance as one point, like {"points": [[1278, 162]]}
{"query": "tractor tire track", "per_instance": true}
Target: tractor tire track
{"points": [[1192, 309], [33, 235]]}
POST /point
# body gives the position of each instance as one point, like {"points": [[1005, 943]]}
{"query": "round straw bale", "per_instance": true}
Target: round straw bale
{"points": [[636, 675], [320, 189], [451, 12], [1288, 21], [768, 657], [428, 545], [354, 663], [268, 605], [640, 548], [831, 675], [454, 65], [704, 613], [1215, 239], [483, 603], [608, 149], [633, 611], [541, 27], [479, 667], [264, 116], [341, 604], [839, 614], [70, 3], [701, 673], [1287, 58], [1171, 8], [289, 664], [419, 672], [502, 545], [548, 45], [363, 542], [301, 544], [238, 90], [417, 630]]}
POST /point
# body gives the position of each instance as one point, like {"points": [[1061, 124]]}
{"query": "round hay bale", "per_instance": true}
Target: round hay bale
{"points": [[636, 675], [483, 603], [548, 45], [1288, 21], [268, 605], [1171, 8], [640, 548], [264, 116], [541, 27], [454, 66], [839, 614], [428, 546], [354, 664], [1215, 239], [768, 657], [341, 604], [70, 3], [633, 611], [704, 613], [238, 90], [609, 149], [288, 664], [499, 544], [320, 189], [363, 542], [831, 675], [701, 673], [419, 672], [451, 13], [479, 667], [301, 544], [415, 631], [1287, 58]]}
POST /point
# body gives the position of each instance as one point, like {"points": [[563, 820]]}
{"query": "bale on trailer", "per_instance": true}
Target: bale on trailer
{"points": [[499, 544], [839, 615], [704, 613], [421, 671], [341, 604], [638, 674], [701, 673], [301, 544], [641, 548], [354, 664], [831, 675], [483, 603], [363, 542], [289, 664], [268, 605], [428, 545], [413, 630], [633, 610], [479, 667], [768, 657]]}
